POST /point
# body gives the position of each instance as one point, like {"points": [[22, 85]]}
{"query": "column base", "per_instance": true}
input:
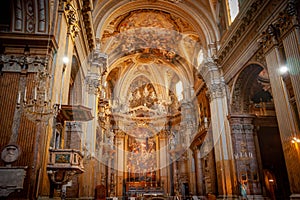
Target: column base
{"points": [[236, 197], [229, 197], [48, 198], [295, 196], [256, 197]]}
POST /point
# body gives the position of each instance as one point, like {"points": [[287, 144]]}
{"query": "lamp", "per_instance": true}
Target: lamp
{"points": [[39, 108], [295, 140], [283, 69]]}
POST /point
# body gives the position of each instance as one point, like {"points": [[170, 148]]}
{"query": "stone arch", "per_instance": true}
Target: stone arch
{"points": [[247, 85], [183, 74], [75, 89], [198, 16]]}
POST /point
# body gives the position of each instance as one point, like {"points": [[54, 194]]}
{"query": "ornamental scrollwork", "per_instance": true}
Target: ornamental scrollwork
{"points": [[72, 19]]}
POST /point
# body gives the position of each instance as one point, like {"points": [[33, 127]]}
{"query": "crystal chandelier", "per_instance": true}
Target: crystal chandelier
{"points": [[39, 108]]}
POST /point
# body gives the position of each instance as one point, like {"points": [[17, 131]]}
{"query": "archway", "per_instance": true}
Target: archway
{"points": [[151, 82], [256, 135]]}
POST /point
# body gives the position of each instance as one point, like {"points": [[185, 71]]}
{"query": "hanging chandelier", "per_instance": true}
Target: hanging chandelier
{"points": [[39, 108]]}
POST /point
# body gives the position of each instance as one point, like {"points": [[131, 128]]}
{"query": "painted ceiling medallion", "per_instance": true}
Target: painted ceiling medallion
{"points": [[147, 18]]}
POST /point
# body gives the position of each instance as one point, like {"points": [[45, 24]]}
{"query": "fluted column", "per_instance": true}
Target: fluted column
{"points": [[226, 175], [284, 112], [290, 30], [199, 172], [92, 81]]}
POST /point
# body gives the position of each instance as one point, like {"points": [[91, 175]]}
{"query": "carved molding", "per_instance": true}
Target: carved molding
{"points": [[16, 63], [245, 22], [99, 60], [72, 19], [276, 30], [92, 82], [88, 22], [30, 16]]}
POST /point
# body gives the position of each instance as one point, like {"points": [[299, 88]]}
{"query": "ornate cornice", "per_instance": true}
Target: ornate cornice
{"points": [[277, 29], [240, 30], [17, 63], [171, 1], [86, 11]]}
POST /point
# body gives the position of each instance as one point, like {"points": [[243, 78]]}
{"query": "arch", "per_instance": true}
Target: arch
{"points": [[75, 89], [181, 72], [199, 17], [245, 84]]}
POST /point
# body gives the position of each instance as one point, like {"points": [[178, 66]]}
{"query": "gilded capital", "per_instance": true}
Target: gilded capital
{"points": [[72, 19]]}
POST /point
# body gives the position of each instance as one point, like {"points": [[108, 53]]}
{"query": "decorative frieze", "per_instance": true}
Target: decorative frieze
{"points": [[279, 27], [30, 16], [245, 22], [15, 63]]}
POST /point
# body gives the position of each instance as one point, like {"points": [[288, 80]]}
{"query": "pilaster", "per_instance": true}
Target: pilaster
{"points": [[289, 28], [275, 58], [227, 182]]}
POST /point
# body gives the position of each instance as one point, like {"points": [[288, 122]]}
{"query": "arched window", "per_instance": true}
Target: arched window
{"points": [[179, 90], [233, 7]]}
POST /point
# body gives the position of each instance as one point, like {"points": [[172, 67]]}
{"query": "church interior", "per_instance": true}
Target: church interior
{"points": [[150, 99]]}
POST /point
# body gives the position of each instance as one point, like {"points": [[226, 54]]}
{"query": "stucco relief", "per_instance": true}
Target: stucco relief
{"points": [[30, 16]]}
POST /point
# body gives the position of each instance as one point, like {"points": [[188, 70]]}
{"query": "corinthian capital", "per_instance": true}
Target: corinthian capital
{"points": [[291, 8], [92, 82], [212, 75], [217, 90]]}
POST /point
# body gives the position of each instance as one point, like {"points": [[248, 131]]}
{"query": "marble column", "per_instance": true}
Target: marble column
{"points": [[199, 172], [286, 119], [290, 30], [120, 160], [226, 175]]}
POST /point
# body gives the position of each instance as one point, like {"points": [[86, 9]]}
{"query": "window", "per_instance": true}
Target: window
{"points": [[179, 90], [233, 9]]}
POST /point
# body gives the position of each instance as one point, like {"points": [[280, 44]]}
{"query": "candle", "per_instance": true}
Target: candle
{"points": [[25, 94], [19, 98], [45, 95], [35, 93]]}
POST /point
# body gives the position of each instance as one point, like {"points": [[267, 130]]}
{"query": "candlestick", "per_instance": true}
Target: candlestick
{"points": [[45, 96], [35, 93], [25, 94], [19, 98]]}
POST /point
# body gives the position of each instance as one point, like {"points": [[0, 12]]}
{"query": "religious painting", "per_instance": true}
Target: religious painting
{"points": [[141, 162]]}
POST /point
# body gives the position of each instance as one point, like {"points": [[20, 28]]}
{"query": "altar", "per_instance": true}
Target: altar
{"points": [[143, 189]]}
